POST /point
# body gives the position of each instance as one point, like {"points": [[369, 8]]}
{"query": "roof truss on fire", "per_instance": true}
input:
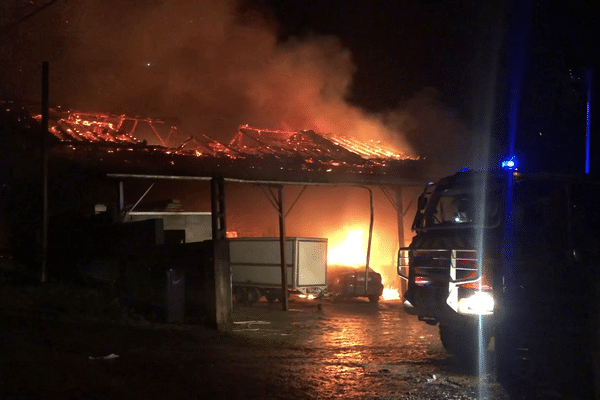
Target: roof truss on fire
{"points": [[310, 144], [113, 144], [89, 127]]}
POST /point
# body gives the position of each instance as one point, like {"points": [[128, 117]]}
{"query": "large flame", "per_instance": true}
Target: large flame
{"points": [[390, 294], [349, 248]]}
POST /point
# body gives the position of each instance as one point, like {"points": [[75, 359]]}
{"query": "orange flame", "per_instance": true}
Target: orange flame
{"points": [[390, 294], [348, 248]]}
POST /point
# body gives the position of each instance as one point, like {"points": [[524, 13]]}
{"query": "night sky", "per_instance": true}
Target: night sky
{"points": [[400, 48], [432, 76]]}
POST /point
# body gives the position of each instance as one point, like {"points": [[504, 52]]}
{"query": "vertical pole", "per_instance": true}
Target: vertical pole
{"points": [[121, 198], [401, 243], [588, 77], [370, 240], [218, 275], [506, 310], [284, 288], [44, 145], [400, 211]]}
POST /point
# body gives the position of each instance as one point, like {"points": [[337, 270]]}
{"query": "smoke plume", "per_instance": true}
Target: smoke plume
{"points": [[209, 66]]}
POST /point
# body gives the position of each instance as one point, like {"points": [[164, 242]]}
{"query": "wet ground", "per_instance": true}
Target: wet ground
{"points": [[360, 350], [353, 350]]}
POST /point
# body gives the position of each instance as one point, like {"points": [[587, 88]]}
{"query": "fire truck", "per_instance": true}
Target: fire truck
{"points": [[444, 269], [514, 256]]}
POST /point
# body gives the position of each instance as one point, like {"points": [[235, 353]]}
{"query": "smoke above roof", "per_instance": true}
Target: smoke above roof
{"points": [[208, 67]]}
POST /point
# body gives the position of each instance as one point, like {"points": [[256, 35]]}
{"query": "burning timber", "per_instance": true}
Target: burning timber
{"points": [[121, 144]]}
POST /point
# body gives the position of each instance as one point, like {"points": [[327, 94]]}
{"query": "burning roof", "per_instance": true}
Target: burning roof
{"points": [[125, 144], [310, 144]]}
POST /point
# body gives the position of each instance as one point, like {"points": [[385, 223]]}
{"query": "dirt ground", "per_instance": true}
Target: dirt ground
{"points": [[354, 350]]}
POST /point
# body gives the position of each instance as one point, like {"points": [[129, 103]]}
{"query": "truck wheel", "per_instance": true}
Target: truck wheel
{"points": [[458, 341], [373, 298], [462, 342]]}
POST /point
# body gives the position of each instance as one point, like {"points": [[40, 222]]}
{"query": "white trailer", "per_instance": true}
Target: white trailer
{"points": [[256, 267]]}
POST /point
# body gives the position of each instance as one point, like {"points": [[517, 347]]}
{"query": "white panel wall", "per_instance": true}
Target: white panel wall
{"points": [[258, 251], [197, 226], [312, 256]]}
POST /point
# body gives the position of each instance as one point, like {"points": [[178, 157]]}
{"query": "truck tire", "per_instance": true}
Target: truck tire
{"points": [[462, 342], [456, 341]]}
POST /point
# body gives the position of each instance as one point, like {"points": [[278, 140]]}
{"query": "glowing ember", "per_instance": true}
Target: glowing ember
{"points": [[349, 249]]}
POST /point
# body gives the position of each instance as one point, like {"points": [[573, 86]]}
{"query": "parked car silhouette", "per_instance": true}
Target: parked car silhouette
{"points": [[345, 282]]}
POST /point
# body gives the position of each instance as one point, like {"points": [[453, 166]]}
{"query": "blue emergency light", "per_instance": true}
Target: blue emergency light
{"points": [[510, 163]]}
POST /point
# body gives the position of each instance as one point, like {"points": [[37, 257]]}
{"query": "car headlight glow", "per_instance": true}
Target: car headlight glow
{"points": [[479, 303]]}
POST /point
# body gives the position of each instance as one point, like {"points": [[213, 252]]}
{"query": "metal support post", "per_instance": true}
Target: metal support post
{"points": [[400, 213], [218, 275], [370, 239], [44, 145], [284, 288], [121, 198]]}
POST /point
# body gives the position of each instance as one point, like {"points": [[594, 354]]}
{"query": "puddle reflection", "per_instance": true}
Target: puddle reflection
{"points": [[365, 351]]}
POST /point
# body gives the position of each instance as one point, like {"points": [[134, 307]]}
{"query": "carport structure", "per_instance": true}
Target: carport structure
{"points": [[107, 144]]}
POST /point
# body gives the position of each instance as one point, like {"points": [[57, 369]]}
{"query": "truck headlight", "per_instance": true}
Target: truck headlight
{"points": [[479, 303]]}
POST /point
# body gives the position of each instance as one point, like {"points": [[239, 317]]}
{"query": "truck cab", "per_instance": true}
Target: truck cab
{"points": [[449, 272], [507, 254], [515, 256]]}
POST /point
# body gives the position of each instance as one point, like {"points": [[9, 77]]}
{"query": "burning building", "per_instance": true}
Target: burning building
{"points": [[112, 148]]}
